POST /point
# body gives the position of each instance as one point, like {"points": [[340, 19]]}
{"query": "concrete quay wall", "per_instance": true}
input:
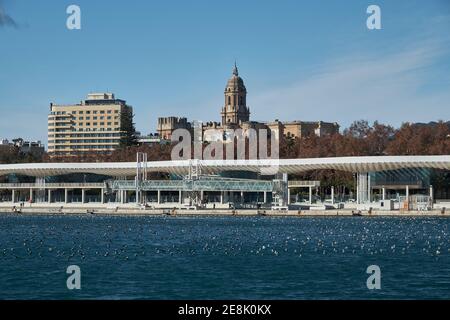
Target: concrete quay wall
{"points": [[140, 211]]}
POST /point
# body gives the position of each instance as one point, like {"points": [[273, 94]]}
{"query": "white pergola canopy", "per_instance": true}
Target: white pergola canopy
{"points": [[263, 167]]}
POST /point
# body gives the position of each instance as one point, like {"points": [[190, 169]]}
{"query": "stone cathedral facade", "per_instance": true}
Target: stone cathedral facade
{"points": [[235, 114]]}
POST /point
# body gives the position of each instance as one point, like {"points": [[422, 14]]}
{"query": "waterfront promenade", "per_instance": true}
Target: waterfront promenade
{"points": [[132, 210]]}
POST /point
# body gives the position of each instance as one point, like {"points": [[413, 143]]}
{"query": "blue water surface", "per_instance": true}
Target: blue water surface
{"points": [[223, 257]]}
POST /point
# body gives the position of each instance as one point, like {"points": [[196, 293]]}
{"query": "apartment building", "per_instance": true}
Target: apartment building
{"points": [[93, 125]]}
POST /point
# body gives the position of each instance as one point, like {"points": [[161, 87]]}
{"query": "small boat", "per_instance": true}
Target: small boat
{"points": [[357, 214], [90, 212]]}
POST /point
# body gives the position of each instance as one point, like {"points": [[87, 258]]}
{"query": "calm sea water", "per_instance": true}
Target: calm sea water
{"points": [[223, 257]]}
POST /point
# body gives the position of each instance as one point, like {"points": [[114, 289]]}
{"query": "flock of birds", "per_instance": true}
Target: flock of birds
{"points": [[124, 239]]}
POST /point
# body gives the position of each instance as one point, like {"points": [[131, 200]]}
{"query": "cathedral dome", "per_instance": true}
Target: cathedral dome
{"points": [[235, 83], [235, 110]]}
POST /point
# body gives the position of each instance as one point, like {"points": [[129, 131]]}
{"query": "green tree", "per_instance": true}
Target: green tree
{"points": [[129, 136]]}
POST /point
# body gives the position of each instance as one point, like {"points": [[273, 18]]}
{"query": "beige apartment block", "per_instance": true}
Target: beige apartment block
{"points": [[92, 126]]}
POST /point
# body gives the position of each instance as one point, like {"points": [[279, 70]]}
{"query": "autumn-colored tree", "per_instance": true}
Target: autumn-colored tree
{"points": [[12, 154], [360, 139], [419, 139]]}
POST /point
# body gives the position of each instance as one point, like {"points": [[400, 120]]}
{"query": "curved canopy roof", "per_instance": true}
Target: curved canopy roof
{"points": [[264, 167]]}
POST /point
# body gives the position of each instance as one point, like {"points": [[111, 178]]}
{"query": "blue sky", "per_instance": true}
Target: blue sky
{"points": [[300, 60]]}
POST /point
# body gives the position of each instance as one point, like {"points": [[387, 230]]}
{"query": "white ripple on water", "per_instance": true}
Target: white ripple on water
{"points": [[355, 237]]}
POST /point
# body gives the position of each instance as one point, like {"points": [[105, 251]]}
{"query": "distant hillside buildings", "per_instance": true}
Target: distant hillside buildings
{"points": [[35, 148]]}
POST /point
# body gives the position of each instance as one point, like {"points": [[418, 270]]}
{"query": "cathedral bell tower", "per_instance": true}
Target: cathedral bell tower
{"points": [[235, 110]]}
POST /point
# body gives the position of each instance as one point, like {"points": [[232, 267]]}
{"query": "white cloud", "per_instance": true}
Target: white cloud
{"points": [[388, 88]]}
